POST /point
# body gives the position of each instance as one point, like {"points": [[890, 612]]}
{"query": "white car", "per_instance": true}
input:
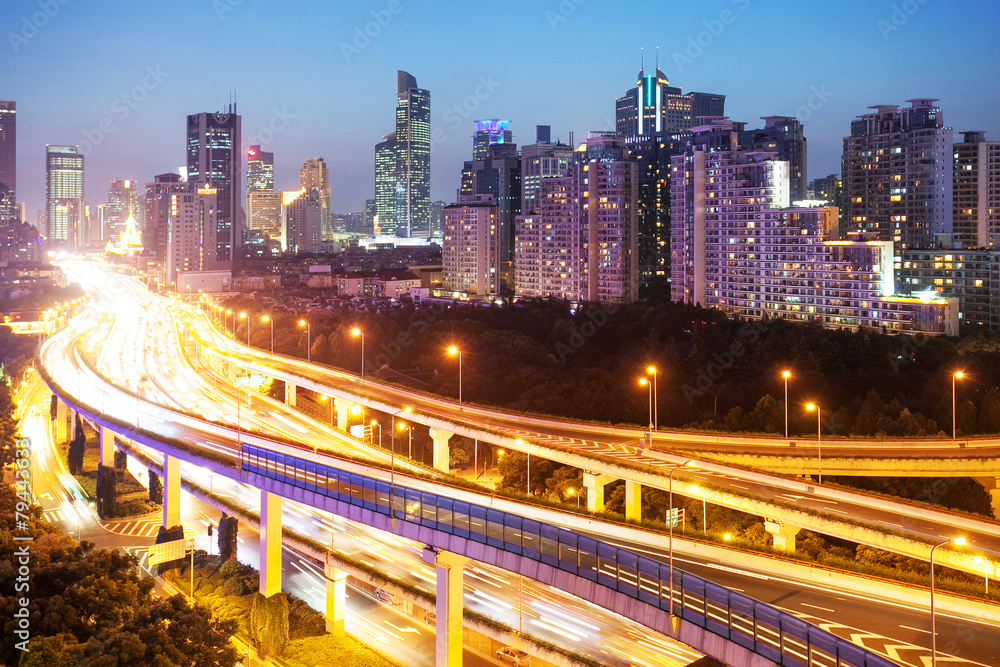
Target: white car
{"points": [[511, 656]]}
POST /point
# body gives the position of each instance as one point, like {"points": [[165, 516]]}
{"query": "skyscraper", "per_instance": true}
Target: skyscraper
{"points": [[542, 159], [8, 163], [408, 214], [368, 217], [488, 132], [63, 194], [897, 170], [497, 174], [782, 135], [122, 203], [191, 230], [214, 157], [314, 174], [260, 170], [157, 215], [976, 191], [304, 220], [656, 106], [264, 213], [470, 264]]}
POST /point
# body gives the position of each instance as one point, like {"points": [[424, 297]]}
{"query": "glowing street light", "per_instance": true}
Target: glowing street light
{"points": [[646, 383], [358, 332], [656, 417], [303, 323], [986, 571], [959, 541], [326, 399], [243, 316], [453, 351], [572, 492], [957, 375], [786, 375], [406, 427], [819, 438], [228, 313]]}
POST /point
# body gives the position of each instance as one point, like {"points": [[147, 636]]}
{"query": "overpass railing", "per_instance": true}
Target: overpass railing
{"points": [[766, 630]]}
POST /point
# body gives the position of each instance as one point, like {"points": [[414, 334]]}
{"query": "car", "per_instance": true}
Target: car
{"points": [[385, 596], [511, 656]]}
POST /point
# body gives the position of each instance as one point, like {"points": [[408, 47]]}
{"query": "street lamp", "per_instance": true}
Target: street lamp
{"points": [[357, 410], [670, 525], [957, 375], [243, 316], [986, 571], [392, 442], [572, 492], [960, 541], [326, 399], [374, 424], [303, 323], [452, 350], [228, 313], [409, 429], [819, 438], [646, 383], [268, 318], [358, 332], [786, 375], [656, 417]]}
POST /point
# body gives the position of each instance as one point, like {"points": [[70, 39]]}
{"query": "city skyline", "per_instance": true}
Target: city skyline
{"points": [[132, 115]]}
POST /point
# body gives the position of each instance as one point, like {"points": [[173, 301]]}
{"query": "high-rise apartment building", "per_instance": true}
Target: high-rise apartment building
{"points": [[437, 217], [122, 203], [970, 275], [315, 174], [368, 217], [8, 163], [782, 135], [304, 219], [157, 215], [582, 243], [260, 170], [192, 228], [976, 191], [656, 106], [826, 189], [897, 170], [402, 164], [214, 156], [63, 194], [737, 245], [499, 174], [264, 212], [470, 246], [488, 132], [540, 160]]}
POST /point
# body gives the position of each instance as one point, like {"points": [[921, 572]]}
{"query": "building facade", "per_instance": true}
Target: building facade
{"points": [[260, 170], [122, 203], [540, 160], [976, 191], [471, 246], [8, 163], [192, 227], [315, 174], [214, 156], [264, 212], [63, 194], [897, 170], [970, 275], [656, 106], [304, 220], [488, 132], [783, 135], [157, 216]]}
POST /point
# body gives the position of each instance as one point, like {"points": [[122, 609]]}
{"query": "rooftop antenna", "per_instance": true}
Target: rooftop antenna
{"points": [[642, 60], [657, 59]]}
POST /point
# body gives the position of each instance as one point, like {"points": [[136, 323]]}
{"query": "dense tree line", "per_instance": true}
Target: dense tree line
{"points": [[713, 372]]}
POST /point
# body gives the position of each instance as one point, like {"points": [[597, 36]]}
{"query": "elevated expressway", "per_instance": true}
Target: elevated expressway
{"points": [[610, 453], [456, 524]]}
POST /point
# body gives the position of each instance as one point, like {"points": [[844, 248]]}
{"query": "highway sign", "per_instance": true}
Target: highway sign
{"points": [[167, 551], [250, 380], [674, 516]]}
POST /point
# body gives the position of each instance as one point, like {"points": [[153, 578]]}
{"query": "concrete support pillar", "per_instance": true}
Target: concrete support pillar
{"points": [[289, 394], [595, 490], [448, 626], [171, 491], [336, 599], [343, 408], [62, 419], [72, 423], [633, 501], [270, 544], [107, 446], [784, 535], [441, 452], [232, 370], [992, 486]]}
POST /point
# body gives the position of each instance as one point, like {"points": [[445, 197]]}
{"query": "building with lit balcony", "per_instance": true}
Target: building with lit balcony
{"points": [[191, 230], [976, 193], [471, 246]]}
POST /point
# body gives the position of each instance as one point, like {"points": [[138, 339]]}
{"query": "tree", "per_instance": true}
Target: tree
{"points": [[74, 455], [107, 489], [121, 459], [155, 488], [228, 527], [269, 622]]}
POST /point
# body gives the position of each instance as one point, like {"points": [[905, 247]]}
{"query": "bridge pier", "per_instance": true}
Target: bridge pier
{"points": [[448, 626], [336, 599], [270, 544], [343, 409], [107, 451], [441, 451], [171, 491], [633, 501], [784, 535], [991, 485], [72, 423], [289, 394], [232, 369], [62, 416], [595, 490]]}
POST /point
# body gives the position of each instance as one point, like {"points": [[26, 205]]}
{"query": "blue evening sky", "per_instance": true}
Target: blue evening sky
{"points": [[533, 62]]}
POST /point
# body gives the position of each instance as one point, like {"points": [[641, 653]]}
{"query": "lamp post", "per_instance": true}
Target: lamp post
{"points": [[819, 438], [957, 375], [303, 323], [268, 318], [243, 316], [228, 313], [960, 541], [572, 492], [357, 410], [986, 571], [656, 417], [326, 399], [358, 332], [646, 383], [409, 429], [786, 375], [392, 443], [374, 424], [453, 351], [670, 527]]}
